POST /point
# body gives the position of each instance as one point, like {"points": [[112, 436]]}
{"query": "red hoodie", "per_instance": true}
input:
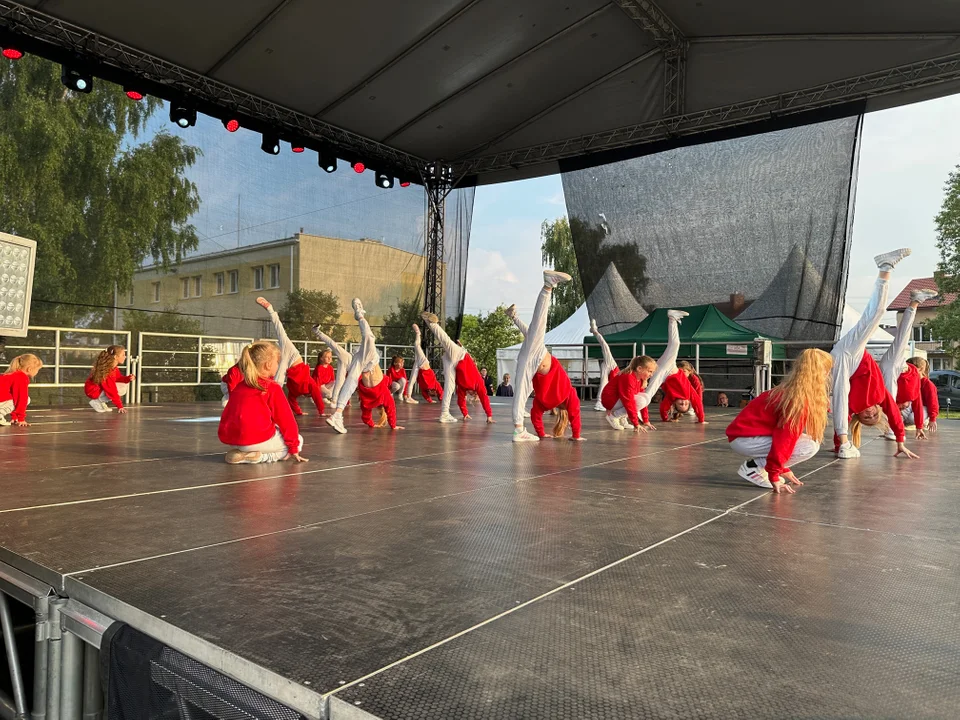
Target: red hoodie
{"points": [[697, 384], [15, 386], [253, 416], [552, 389], [678, 387], [323, 374], [108, 387], [396, 374], [427, 381], [908, 391], [233, 378], [867, 389], [374, 397], [761, 418], [470, 380], [300, 382], [625, 387], [928, 393]]}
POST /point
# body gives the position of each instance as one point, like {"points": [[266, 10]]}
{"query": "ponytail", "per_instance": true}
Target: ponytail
{"points": [[105, 363], [25, 363], [563, 419], [252, 358], [382, 420], [640, 361], [855, 431]]}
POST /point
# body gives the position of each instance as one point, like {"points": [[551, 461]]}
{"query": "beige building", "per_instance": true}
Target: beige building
{"points": [[219, 289], [940, 357]]}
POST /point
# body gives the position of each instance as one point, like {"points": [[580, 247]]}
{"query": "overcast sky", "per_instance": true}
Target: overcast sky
{"points": [[906, 155]]}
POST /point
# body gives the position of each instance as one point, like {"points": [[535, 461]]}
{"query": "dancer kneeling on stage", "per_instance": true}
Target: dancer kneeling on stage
{"points": [[459, 371], [257, 420], [861, 396], [398, 380], [928, 395], [910, 399], [682, 392], [784, 427], [422, 374], [14, 389], [324, 375], [102, 385]]}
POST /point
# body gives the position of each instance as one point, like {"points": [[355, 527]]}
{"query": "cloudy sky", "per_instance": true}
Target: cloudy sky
{"points": [[906, 155]]}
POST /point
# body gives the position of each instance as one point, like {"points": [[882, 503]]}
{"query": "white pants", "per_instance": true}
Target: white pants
{"points": [[894, 360], [344, 359], [531, 353], [666, 365], [6, 407], [848, 352], [289, 355], [606, 367], [327, 390], [419, 361], [452, 355], [759, 447], [398, 386], [122, 389], [274, 449], [365, 360]]}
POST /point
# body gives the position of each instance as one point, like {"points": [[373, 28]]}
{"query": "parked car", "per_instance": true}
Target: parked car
{"points": [[948, 388]]}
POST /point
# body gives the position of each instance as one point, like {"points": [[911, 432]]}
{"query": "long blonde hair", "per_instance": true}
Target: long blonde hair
{"points": [[382, 420], [801, 398], [922, 365], [254, 357], [105, 363], [25, 363], [563, 419]]}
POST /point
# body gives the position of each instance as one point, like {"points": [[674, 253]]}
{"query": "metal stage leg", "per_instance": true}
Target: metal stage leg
{"points": [[13, 660], [53, 658], [71, 677], [41, 655], [92, 693]]}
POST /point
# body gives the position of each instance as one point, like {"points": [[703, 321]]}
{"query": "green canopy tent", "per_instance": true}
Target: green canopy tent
{"points": [[706, 324]]}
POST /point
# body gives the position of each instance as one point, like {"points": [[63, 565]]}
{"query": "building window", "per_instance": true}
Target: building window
{"points": [[197, 286], [185, 288], [131, 297], [258, 278], [220, 283], [274, 276], [234, 281], [156, 292]]}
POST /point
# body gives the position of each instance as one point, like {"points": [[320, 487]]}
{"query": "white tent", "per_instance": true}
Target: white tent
{"points": [[570, 332], [850, 318]]}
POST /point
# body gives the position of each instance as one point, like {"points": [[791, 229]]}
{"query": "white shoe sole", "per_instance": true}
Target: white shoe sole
{"points": [[613, 422], [525, 438], [448, 419], [762, 482]]}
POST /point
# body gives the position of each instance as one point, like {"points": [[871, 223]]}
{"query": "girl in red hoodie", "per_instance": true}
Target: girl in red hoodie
{"points": [[682, 392], [422, 375], [292, 370], [784, 427], [460, 372], [324, 374], [344, 358], [928, 396], [398, 380], [257, 420], [608, 367], [14, 389], [102, 385]]}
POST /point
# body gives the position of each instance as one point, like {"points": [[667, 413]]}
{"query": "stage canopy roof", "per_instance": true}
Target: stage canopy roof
{"points": [[503, 89]]}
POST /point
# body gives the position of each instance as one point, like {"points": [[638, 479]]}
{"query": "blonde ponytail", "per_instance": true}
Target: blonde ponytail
{"points": [[563, 419], [254, 357], [382, 420], [25, 363]]}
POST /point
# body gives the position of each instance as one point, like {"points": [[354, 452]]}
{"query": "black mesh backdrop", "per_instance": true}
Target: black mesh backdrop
{"points": [[759, 226], [145, 680]]}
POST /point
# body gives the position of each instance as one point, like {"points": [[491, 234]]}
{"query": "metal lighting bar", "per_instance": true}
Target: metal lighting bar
{"points": [[438, 186], [920, 74], [110, 55]]}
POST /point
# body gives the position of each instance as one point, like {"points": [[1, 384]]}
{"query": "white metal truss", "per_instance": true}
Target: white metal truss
{"points": [[925, 73]]}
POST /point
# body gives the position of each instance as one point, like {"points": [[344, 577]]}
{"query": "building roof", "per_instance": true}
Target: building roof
{"points": [[903, 299]]}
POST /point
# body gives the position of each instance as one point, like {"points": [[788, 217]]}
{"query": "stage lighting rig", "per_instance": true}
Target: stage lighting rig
{"points": [[358, 166], [76, 79], [231, 124], [11, 51], [384, 181], [133, 93], [270, 144], [327, 159], [183, 115], [297, 146]]}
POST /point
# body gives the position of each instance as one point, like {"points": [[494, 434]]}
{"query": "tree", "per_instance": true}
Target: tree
{"points": [[306, 308], [482, 335], [597, 255], [556, 246], [397, 328], [74, 179], [947, 323]]}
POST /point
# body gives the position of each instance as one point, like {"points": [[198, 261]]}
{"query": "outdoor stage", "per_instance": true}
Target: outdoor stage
{"points": [[444, 572]]}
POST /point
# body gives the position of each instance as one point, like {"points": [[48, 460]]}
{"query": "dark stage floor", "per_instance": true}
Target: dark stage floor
{"points": [[443, 572]]}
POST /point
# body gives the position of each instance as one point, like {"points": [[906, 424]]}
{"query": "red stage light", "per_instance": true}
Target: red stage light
{"points": [[134, 94], [12, 53], [297, 148], [231, 125], [405, 183], [359, 167]]}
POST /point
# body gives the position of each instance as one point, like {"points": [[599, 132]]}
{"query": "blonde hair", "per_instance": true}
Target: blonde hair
{"points": [[921, 364], [382, 420], [801, 398], [254, 357], [563, 419], [640, 361], [25, 363], [105, 363]]}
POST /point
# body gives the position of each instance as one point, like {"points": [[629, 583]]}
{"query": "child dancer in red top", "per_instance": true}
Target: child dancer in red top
{"points": [[680, 395], [257, 420], [608, 367], [14, 389], [344, 359], [422, 375], [928, 395], [101, 385], [909, 400], [460, 372], [292, 370], [324, 374], [784, 427], [398, 380], [374, 392]]}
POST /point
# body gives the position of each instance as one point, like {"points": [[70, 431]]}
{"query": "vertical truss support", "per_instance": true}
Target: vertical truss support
{"points": [[438, 186], [674, 80]]}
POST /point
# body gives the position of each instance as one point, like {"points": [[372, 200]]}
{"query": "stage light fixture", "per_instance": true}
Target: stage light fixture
{"points": [[133, 93], [76, 80], [270, 144], [297, 146], [384, 180], [12, 53], [231, 124], [327, 160], [358, 167], [183, 115], [404, 181]]}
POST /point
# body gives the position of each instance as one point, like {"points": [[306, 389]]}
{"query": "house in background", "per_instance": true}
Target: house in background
{"points": [[938, 357]]}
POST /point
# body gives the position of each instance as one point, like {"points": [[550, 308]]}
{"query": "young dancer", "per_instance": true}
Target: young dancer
{"points": [[784, 427], [909, 400], [258, 421], [860, 395], [680, 395], [460, 372], [398, 380], [292, 371], [928, 394], [102, 385], [608, 367], [324, 374], [15, 387], [374, 391], [422, 374], [344, 359]]}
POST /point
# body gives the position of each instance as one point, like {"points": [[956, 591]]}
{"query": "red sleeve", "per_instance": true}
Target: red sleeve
{"points": [[697, 384], [20, 391], [124, 378], [627, 390], [317, 396], [283, 417], [784, 443], [573, 408], [894, 417], [928, 391], [645, 415], [665, 407], [696, 399], [462, 400], [918, 412], [109, 387], [484, 400], [536, 417], [391, 407]]}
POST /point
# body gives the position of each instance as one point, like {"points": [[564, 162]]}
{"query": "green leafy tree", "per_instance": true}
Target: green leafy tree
{"points": [[305, 308], [597, 255], [483, 335], [947, 323], [556, 246], [397, 328], [76, 180]]}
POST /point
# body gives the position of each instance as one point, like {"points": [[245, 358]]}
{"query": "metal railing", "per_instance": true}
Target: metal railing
{"points": [[63, 356], [405, 351]]}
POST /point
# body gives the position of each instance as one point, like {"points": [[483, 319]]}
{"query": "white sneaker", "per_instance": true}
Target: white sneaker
{"points": [[888, 261], [751, 473], [336, 422], [357, 308], [677, 315], [524, 436], [848, 451], [4, 422], [921, 296], [613, 422], [98, 406], [625, 423], [430, 317], [447, 418], [889, 435], [511, 312], [410, 401], [599, 407], [593, 327], [552, 278]]}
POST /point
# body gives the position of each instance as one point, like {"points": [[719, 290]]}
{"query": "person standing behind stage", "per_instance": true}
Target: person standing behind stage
{"points": [[487, 381], [505, 389]]}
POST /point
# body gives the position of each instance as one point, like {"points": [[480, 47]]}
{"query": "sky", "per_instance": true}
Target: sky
{"points": [[906, 155]]}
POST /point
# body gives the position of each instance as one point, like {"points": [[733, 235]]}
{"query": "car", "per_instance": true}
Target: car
{"points": [[948, 388]]}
